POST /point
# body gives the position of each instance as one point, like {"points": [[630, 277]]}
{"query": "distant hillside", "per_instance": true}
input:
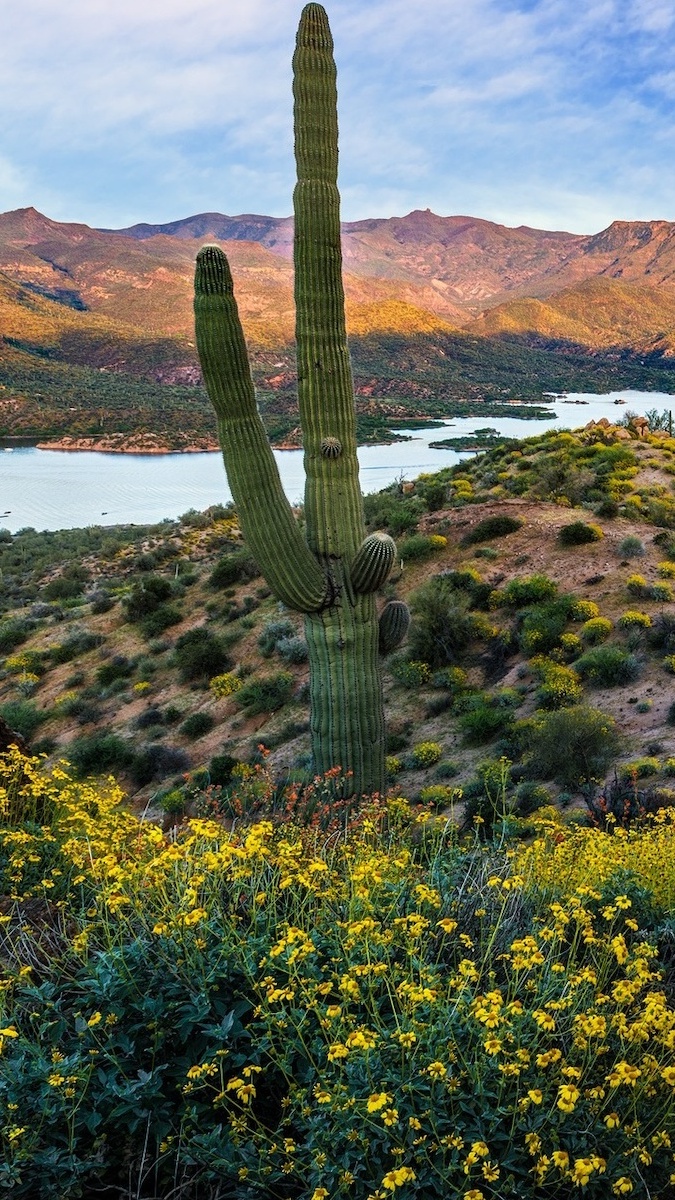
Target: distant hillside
{"points": [[598, 313], [95, 324]]}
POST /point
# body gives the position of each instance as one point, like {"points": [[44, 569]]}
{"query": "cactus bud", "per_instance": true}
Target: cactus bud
{"points": [[373, 562], [393, 625]]}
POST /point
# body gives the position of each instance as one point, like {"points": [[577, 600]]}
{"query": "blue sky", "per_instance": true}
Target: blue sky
{"points": [[552, 113]]}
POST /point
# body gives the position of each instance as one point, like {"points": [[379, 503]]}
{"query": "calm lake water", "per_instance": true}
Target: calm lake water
{"points": [[50, 489]]}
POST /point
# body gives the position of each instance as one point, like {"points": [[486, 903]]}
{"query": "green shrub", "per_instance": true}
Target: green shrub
{"points": [[596, 630], [531, 589], [437, 795], [491, 527], [635, 620], [409, 673], [197, 724], [446, 769], [483, 716], [78, 643], [453, 679], [579, 534], [233, 568], [62, 589], [444, 632], [641, 768], [559, 686], [163, 617], [393, 765], [607, 666], [393, 511], [199, 654], [22, 717], [426, 754], [419, 546], [293, 650], [543, 625], [571, 745], [584, 610], [14, 632], [272, 633], [630, 547], [146, 596], [98, 753], [156, 762], [637, 586], [529, 796], [264, 694], [118, 667], [221, 767]]}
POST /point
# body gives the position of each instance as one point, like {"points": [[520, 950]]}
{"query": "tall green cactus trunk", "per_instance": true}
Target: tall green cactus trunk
{"points": [[333, 575]]}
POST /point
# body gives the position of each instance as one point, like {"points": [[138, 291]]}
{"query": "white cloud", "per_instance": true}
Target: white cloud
{"points": [[126, 111]]}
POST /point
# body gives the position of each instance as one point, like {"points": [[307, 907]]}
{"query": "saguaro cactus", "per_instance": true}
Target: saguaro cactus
{"points": [[331, 575]]}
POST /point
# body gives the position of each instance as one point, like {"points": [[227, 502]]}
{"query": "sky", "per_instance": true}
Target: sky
{"points": [[552, 113]]}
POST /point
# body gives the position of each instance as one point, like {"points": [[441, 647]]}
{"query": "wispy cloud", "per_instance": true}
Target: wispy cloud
{"points": [[526, 111]]}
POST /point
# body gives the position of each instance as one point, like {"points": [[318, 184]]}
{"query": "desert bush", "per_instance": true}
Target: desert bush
{"points": [[266, 693], [409, 673], [529, 796], [22, 716], [233, 568], [444, 632], [596, 630], [118, 667], [483, 716], [630, 547], [79, 642], [224, 685], [542, 626], [666, 570], [156, 762], [426, 754], [293, 650], [491, 527], [274, 632], [146, 596], [199, 654], [419, 546], [62, 589], [197, 724], [579, 534], [163, 617], [98, 753], [640, 768], [583, 610], [438, 795], [14, 631], [571, 745], [559, 686], [633, 619], [393, 511], [607, 666], [530, 589]]}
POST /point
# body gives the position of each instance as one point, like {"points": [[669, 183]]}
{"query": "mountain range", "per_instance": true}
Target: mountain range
{"points": [[437, 307]]}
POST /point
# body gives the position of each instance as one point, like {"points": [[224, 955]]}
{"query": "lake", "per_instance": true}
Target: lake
{"points": [[50, 489]]}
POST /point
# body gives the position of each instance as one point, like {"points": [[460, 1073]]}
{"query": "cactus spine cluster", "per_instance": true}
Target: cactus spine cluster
{"points": [[332, 573]]}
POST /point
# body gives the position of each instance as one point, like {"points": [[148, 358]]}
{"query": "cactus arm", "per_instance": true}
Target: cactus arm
{"points": [[393, 625], [265, 514], [333, 504]]}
